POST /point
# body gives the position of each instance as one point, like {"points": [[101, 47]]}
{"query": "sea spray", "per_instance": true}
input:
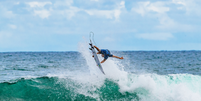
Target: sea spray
{"points": [[84, 50], [153, 87]]}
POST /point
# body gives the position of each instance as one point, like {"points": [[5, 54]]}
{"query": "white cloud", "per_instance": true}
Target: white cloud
{"points": [[169, 25], [17, 3], [166, 23], [42, 13], [68, 10], [192, 7], [6, 13], [181, 2], [105, 13], [12, 26], [71, 12], [155, 36], [109, 14], [158, 7], [68, 13], [59, 3], [39, 10], [142, 9], [146, 7], [38, 4], [159, 10]]}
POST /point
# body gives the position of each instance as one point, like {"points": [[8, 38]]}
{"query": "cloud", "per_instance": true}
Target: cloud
{"points": [[69, 10], [42, 13], [38, 4], [155, 36], [146, 7], [109, 14], [105, 13], [192, 7], [69, 13], [17, 3], [155, 10], [180, 2], [159, 11], [63, 3], [166, 23], [39, 10], [64, 9], [6, 13], [12, 26]]}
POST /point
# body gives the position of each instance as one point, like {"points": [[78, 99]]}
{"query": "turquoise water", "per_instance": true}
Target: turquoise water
{"points": [[69, 76]]}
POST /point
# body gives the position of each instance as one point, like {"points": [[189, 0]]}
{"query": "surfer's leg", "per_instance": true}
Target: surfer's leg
{"points": [[117, 57]]}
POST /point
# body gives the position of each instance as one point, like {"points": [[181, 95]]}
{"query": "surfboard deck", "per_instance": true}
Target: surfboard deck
{"points": [[96, 57]]}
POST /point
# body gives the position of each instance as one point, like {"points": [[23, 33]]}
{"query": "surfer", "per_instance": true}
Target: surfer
{"points": [[105, 53]]}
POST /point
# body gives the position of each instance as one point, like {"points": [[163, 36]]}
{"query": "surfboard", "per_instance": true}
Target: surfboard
{"points": [[96, 57]]}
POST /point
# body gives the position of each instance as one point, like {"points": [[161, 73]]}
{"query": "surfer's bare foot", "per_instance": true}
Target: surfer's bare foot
{"points": [[121, 58]]}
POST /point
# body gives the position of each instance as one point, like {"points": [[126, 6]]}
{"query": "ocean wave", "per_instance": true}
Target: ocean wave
{"points": [[144, 87]]}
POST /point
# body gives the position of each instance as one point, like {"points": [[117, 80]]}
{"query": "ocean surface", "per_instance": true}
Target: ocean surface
{"points": [[74, 76]]}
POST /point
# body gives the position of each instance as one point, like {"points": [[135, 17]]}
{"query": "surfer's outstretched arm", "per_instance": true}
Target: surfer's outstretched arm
{"points": [[117, 57], [97, 49]]}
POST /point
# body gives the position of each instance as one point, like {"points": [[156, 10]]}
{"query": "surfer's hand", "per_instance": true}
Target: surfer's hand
{"points": [[93, 56], [121, 57]]}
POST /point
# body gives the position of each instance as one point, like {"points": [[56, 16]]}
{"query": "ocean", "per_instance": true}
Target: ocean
{"points": [[74, 76]]}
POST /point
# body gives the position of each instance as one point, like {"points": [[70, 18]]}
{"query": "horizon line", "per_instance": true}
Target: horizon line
{"points": [[78, 51]]}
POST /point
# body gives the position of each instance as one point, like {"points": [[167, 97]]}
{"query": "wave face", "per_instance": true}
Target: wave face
{"points": [[181, 87], [69, 76], [45, 88]]}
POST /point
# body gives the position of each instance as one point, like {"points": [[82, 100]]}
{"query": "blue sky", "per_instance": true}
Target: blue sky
{"points": [[60, 25]]}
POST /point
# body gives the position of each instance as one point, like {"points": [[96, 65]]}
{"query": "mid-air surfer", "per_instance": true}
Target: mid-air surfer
{"points": [[106, 53]]}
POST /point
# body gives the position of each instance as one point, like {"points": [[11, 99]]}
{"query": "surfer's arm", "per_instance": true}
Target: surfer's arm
{"points": [[118, 57], [103, 61], [97, 49]]}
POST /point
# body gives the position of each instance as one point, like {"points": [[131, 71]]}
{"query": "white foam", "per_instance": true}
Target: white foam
{"points": [[155, 87]]}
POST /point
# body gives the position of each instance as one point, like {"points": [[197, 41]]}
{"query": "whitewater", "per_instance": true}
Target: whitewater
{"points": [[141, 76]]}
